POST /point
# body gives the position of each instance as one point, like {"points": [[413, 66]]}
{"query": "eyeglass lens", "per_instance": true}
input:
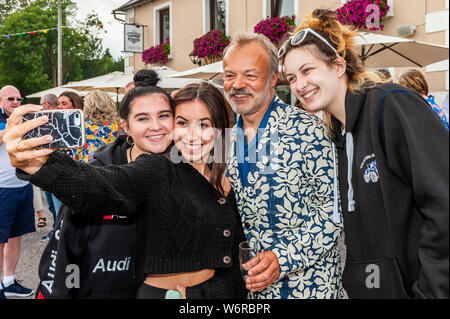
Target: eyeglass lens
{"points": [[18, 99]]}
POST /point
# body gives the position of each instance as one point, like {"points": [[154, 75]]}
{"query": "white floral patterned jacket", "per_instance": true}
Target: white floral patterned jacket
{"points": [[287, 206]]}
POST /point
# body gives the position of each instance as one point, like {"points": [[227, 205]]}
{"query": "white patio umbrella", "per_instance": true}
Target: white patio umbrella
{"points": [[382, 51], [89, 84], [168, 83], [56, 90], [213, 71]]}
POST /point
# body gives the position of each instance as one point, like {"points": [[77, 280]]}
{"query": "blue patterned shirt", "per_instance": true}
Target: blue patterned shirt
{"points": [[287, 204]]}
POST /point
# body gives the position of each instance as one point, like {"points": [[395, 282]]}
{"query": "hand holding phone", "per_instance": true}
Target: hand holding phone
{"points": [[65, 126]]}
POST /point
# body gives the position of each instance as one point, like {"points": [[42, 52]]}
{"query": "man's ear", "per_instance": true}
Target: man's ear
{"points": [[340, 65], [274, 80]]}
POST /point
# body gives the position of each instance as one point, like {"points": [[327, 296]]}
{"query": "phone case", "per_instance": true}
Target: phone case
{"points": [[66, 127]]}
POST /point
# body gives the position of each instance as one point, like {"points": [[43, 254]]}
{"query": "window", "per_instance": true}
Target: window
{"points": [[217, 14], [281, 8], [164, 25], [162, 28]]}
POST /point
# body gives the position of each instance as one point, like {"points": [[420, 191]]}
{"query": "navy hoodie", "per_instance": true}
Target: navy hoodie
{"points": [[89, 257], [394, 186]]}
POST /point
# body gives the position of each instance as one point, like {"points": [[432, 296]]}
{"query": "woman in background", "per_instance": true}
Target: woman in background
{"points": [[102, 124], [68, 100], [415, 80]]}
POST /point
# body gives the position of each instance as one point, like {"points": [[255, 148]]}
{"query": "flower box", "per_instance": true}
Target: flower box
{"points": [[158, 54], [210, 46], [276, 29], [361, 15]]}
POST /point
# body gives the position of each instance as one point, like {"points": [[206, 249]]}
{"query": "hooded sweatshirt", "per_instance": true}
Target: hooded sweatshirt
{"points": [[394, 185], [89, 257]]}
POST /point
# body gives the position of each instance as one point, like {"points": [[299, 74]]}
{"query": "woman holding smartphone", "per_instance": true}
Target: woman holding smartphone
{"points": [[188, 227], [98, 243], [393, 164]]}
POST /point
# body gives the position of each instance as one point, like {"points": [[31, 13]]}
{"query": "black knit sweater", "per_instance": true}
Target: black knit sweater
{"points": [[183, 223]]}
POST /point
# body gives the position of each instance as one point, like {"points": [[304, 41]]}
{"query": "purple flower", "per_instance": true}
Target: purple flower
{"points": [[275, 28], [354, 13], [211, 44]]}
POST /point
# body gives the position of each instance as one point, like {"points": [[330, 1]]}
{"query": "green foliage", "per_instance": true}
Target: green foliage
{"points": [[103, 65], [29, 62], [8, 6]]}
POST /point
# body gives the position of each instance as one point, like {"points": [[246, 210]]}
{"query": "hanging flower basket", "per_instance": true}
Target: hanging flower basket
{"points": [[158, 54], [361, 16], [210, 46], [276, 29]]}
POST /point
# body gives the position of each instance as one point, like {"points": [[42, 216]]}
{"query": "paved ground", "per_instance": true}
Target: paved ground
{"points": [[32, 247]]}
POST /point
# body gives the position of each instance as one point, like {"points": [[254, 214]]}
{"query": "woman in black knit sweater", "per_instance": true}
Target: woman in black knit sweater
{"points": [[188, 227]]}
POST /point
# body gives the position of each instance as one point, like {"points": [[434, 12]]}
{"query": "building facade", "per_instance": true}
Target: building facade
{"points": [[182, 21]]}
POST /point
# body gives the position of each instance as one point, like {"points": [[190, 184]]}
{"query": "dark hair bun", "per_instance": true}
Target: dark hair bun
{"points": [[146, 77]]}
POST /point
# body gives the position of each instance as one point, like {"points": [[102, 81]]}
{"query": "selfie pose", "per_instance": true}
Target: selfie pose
{"points": [[188, 228], [393, 165], [103, 247]]}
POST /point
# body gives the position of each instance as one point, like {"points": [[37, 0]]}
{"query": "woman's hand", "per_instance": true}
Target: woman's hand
{"points": [[263, 270], [22, 153]]}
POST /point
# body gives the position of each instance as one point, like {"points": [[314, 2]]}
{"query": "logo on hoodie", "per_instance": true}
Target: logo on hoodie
{"points": [[371, 169], [112, 265]]}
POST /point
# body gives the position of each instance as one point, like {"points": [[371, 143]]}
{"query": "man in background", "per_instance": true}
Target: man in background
{"points": [[16, 205], [49, 102]]}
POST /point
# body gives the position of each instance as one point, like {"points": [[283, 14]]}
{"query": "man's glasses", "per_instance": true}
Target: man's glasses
{"points": [[299, 37], [18, 99]]}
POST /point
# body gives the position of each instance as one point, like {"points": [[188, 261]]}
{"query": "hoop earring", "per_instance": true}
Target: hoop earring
{"points": [[128, 140]]}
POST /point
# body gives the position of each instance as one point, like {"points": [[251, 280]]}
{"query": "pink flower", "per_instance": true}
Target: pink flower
{"points": [[275, 28]]}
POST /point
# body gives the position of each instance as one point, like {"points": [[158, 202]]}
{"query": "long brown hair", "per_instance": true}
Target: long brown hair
{"points": [[215, 102], [75, 99]]}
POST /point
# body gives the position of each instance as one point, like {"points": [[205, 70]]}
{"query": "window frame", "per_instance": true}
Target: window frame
{"points": [[162, 13], [268, 9], [209, 14], [157, 24]]}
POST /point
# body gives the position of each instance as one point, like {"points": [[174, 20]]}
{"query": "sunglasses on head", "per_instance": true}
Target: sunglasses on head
{"points": [[18, 99], [299, 37]]}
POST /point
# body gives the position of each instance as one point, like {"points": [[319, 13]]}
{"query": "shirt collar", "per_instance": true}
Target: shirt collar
{"points": [[265, 119], [3, 112]]}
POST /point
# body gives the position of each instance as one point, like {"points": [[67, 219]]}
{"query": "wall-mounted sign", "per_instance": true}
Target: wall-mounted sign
{"points": [[133, 38]]}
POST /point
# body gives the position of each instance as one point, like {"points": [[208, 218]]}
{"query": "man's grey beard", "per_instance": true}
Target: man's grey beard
{"points": [[258, 103]]}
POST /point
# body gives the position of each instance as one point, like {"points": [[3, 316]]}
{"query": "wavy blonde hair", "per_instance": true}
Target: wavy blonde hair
{"points": [[326, 23], [99, 107]]}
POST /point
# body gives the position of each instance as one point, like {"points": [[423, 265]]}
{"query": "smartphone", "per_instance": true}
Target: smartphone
{"points": [[66, 127]]}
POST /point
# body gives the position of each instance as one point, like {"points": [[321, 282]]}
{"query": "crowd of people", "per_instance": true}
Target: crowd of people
{"points": [[158, 200]]}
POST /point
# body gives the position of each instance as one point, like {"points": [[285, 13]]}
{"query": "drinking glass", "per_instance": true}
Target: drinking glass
{"points": [[246, 252]]}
